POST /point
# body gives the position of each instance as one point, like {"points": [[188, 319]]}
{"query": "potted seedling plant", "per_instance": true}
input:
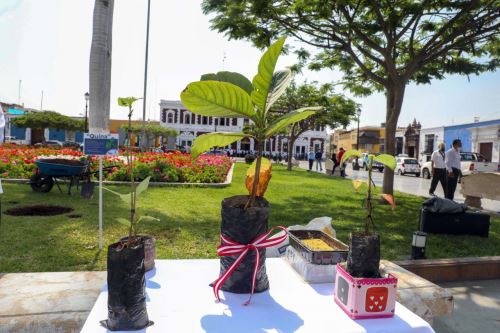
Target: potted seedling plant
{"points": [[361, 291], [127, 257], [244, 217]]}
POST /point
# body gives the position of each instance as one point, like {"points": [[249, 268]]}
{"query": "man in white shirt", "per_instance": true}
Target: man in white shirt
{"points": [[452, 161], [438, 169]]}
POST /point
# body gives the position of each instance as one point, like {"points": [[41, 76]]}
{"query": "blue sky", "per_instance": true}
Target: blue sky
{"points": [[46, 44]]}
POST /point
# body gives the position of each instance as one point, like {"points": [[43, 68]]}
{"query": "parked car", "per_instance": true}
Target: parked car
{"points": [[50, 143], [407, 165], [362, 162], [13, 140], [215, 152], [71, 144], [470, 163]]}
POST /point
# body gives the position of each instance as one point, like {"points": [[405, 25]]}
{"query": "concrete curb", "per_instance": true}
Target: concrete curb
{"points": [[229, 179]]}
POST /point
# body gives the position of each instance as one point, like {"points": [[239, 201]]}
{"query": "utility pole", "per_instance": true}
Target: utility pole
{"points": [[19, 93], [144, 140], [41, 102]]}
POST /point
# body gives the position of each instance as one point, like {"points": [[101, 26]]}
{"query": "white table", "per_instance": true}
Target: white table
{"points": [[179, 300]]}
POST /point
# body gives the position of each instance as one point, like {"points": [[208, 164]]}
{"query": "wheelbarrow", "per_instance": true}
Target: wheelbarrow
{"points": [[52, 171]]}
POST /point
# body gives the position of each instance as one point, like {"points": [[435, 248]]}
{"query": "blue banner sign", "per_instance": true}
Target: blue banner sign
{"points": [[100, 144]]}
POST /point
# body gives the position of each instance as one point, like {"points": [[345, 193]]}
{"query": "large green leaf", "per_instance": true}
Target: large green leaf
{"points": [[280, 81], [143, 186], [217, 99], [123, 221], [127, 101], [147, 218], [204, 142], [387, 160], [351, 153], [290, 118], [231, 77], [262, 81]]}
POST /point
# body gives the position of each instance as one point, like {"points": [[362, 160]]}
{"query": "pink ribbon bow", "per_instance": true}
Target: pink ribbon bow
{"points": [[229, 247]]}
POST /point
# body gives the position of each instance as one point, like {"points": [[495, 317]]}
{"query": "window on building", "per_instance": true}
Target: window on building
{"points": [[187, 119], [204, 121], [170, 118], [429, 143], [246, 122], [235, 121]]}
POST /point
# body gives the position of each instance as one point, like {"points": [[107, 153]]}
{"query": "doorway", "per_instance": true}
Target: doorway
{"points": [[486, 149]]}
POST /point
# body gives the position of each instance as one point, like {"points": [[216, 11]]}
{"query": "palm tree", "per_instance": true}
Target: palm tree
{"points": [[100, 66]]}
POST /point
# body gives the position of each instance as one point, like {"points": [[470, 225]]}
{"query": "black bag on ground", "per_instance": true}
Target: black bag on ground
{"points": [[126, 289], [243, 226], [443, 205], [467, 223]]}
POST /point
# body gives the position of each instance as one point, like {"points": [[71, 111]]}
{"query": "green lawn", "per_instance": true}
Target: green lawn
{"points": [[190, 217]]}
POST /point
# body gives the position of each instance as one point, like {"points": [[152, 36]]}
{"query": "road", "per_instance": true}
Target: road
{"points": [[411, 185]]}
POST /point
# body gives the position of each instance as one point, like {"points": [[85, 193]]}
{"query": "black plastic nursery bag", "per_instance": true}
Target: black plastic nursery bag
{"points": [[126, 289], [243, 226]]}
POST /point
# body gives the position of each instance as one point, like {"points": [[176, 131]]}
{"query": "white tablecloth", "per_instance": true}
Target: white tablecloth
{"points": [[179, 300]]}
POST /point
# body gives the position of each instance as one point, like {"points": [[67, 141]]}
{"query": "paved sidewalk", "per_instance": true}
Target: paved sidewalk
{"points": [[412, 185], [477, 308]]}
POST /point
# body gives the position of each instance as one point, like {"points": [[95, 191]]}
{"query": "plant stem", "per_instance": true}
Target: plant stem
{"points": [[369, 221], [131, 171], [260, 148]]}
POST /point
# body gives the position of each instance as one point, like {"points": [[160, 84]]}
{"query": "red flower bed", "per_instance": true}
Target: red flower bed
{"points": [[19, 162]]}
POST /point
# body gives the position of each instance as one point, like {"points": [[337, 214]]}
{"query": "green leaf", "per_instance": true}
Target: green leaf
{"points": [[231, 77], [123, 221], [290, 118], [351, 153], [143, 186], [204, 142], [147, 218], [280, 81], [387, 160], [262, 81], [127, 101], [217, 99]]}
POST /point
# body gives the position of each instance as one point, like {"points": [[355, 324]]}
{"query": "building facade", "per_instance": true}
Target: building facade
{"points": [[173, 114], [481, 137]]}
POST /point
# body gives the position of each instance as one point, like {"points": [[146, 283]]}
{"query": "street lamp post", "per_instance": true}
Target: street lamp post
{"points": [[358, 115], [87, 96]]}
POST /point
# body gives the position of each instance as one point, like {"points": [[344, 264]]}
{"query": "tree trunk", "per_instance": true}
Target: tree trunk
{"points": [[291, 143], [394, 95], [100, 67]]}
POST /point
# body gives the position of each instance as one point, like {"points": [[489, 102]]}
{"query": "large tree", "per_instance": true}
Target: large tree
{"points": [[49, 119], [100, 66], [379, 45], [338, 109]]}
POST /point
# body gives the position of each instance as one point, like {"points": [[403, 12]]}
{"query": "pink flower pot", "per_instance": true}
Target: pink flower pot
{"points": [[365, 298]]}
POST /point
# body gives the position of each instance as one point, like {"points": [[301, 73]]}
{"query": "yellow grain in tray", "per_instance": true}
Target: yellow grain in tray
{"points": [[315, 244]]}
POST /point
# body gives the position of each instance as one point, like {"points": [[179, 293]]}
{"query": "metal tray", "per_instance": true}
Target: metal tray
{"points": [[318, 257]]}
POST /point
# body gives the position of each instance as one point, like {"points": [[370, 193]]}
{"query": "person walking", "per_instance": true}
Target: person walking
{"points": [[438, 169], [311, 156], [335, 163], [318, 157], [452, 161], [342, 165]]}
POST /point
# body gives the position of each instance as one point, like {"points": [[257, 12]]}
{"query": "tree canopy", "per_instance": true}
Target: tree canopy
{"points": [[152, 130], [49, 119], [378, 45], [338, 110]]}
